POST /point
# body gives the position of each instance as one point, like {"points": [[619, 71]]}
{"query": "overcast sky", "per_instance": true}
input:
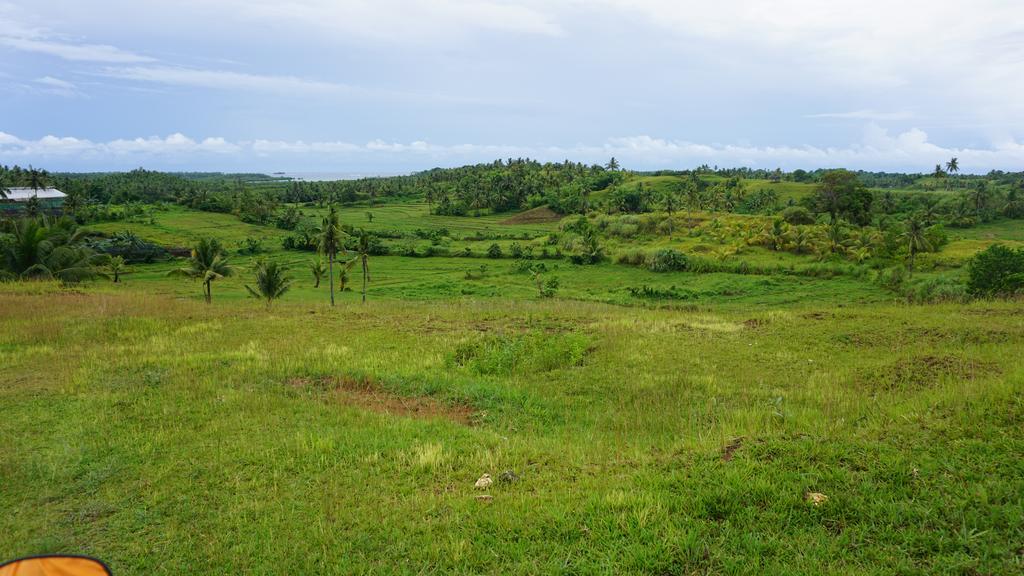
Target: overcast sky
{"points": [[398, 85]]}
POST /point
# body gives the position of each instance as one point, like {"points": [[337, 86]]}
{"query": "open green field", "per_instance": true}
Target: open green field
{"points": [[168, 436], [638, 422]]}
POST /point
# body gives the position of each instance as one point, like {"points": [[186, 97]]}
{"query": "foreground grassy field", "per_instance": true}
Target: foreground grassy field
{"points": [[167, 436]]}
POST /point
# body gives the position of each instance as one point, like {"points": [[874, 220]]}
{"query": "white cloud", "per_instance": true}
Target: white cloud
{"points": [[224, 80], [866, 114], [877, 150], [395, 21], [51, 85], [73, 52]]}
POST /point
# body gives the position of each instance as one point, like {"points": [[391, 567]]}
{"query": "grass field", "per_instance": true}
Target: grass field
{"points": [[169, 436], [677, 434]]}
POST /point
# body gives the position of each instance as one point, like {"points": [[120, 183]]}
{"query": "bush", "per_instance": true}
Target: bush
{"points": [[996, 271], [668, 260], [797, 215], [494, 251], [632, 258]]}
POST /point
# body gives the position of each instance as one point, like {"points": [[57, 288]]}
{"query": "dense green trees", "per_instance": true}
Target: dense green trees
{"points": [[840, 193], [996, 271], [44, 248]]}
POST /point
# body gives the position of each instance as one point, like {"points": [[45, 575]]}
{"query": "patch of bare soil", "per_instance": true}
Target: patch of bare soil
{"points": [[538, 215], [368, 395], [731, 448]]}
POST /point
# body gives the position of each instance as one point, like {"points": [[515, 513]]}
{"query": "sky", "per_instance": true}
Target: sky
{"points": [[388, 86]]}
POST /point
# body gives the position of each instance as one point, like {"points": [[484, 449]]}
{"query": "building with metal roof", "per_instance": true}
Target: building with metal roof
{"points": [[50, 199]]}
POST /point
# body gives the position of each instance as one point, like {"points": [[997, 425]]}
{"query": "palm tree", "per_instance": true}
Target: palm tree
{"points": [[363, 257], [953, 166], [271, 281], [692, 201], [36, 178], [331, 242], [116, 267], [670, 202], [979, 198], [318, 269], [916, 237], [208, 263]]}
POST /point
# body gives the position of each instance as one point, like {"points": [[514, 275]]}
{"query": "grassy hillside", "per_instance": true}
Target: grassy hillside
{"points": [[168, 436]]}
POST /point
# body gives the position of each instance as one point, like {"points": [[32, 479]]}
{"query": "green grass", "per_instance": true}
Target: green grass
{"points": [[168, 436]]}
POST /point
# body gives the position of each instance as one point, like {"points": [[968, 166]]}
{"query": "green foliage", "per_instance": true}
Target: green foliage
{"points": [[668, 260], [797, 215], [494, 251], [840, 193], [207, 264], [996, 271], [271, 281], [127, 245], [44, 249]]}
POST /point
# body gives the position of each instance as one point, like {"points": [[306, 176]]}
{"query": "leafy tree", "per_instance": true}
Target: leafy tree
{"points": [[841, 194], [612, 164], [915, 238], [272, 281], [331, 241], [797, 216], [996, 271], [116, 267], [207, 263], [318, 269]]}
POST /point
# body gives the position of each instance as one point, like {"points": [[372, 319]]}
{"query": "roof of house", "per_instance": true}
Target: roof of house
{"points": [[23, 194]]}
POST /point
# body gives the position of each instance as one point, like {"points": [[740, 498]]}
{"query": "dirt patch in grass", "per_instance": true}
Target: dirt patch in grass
{"points": [[924, 372], [538, 215], [366, 394], [731, 448]]}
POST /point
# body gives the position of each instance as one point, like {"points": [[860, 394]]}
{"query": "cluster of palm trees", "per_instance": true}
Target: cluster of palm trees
{"points": [[41, 248], [838, 239], [208, 263]]}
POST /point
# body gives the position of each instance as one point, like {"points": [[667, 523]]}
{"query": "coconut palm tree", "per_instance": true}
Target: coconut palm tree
{"points": [[208, 263], [670, 202], [331, 241], [979, 197], [36, 178], [916, 238], [318, 269], [953, 166], [363, 257], [271, 281], [802, 240]]}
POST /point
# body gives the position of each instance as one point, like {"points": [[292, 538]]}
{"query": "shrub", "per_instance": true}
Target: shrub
{"points": [[516, 250], [668, 260], [632, 258], [550, 288], [494, 251], [797, 215], [996, 271]]}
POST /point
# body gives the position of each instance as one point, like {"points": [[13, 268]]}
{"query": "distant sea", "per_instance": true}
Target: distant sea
{"points": [[330, 176]]}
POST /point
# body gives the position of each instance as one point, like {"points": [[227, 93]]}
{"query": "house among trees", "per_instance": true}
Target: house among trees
{"points": [[32, 199]]}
